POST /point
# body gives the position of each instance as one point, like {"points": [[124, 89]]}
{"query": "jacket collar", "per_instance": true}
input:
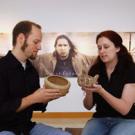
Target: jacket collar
{"points": [[14, 63]]}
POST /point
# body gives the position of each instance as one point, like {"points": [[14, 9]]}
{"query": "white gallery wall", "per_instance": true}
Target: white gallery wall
{"points": [[69, 16]]}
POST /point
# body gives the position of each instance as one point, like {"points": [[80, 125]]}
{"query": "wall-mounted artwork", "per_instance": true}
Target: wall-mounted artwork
{"points": [[132, 45], [5, 43], [67, 54]]}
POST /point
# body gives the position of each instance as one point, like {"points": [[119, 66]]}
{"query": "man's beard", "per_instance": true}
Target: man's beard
{"points": [[61, 56], [24, 45], [32, 57]]}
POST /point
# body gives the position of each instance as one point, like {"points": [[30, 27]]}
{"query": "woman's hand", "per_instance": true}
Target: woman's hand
{"points": [[94, 88]]}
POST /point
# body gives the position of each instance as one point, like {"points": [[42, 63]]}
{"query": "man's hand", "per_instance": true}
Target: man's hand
{"points": [[43, 95]]}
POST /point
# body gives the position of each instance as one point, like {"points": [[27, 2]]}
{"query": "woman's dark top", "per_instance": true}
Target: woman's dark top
{"points": [[122, 75]]}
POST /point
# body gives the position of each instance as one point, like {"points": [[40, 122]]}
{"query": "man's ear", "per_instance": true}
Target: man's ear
{"points": [[21, 38]]}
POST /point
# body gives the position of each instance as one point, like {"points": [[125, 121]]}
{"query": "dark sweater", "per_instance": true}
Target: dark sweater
{"points": [[16, 83]]}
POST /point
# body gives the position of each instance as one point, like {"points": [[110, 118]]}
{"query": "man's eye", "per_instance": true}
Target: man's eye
{"points": [[35, 42], [59, 44], [65, 44]]}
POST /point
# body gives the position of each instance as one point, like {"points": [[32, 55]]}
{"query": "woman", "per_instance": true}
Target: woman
{"points": [[114, 94]]}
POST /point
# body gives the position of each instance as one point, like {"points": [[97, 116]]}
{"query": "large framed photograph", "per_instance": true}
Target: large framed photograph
{"points": [[66, 54]]}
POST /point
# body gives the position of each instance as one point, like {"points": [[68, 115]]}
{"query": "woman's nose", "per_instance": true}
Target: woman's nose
{"points": [[101, 50]]}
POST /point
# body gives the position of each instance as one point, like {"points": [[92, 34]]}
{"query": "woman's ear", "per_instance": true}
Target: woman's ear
{"points": [[117, 49]]}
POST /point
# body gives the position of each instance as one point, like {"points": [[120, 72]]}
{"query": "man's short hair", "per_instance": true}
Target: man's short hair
{"points": [[23, 27]]}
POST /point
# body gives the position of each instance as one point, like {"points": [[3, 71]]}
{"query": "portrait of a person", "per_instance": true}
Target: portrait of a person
{"points": [[65, 60]]}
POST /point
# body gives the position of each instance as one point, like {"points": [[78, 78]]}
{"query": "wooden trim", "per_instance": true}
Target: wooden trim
{"points": [[62, 114]]}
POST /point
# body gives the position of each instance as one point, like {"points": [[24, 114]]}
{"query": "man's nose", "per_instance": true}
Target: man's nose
{"points": [[39, 46], [63, 47]]}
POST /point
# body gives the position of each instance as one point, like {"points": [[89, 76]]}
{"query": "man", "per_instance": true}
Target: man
{"points": [[20, 92], [64, 61]]}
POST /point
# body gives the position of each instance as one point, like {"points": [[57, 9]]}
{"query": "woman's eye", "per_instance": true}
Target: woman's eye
{"points": [[106, 47]]}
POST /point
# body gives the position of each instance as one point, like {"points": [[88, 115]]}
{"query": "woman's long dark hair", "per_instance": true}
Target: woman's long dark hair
{"points": [[123, 54]]}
